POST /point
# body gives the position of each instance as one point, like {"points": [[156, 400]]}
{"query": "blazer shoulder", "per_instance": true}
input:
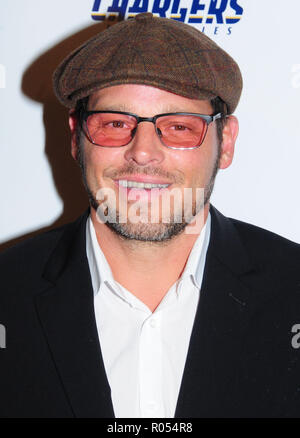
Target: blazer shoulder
{"points": [[26, 260], [30, 252], [266, 246]]}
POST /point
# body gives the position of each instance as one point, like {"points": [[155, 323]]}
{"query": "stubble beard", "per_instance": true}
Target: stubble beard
{"points": [[149, 232]]}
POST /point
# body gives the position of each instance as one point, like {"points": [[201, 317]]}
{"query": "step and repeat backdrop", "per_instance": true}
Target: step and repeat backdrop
{"points": [[41, 185]]}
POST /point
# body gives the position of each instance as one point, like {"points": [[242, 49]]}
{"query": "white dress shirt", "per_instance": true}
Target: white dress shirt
{"points": [[144, 353]]}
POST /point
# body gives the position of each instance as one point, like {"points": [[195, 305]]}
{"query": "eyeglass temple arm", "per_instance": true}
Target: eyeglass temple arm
{"points": [[217, 116]]}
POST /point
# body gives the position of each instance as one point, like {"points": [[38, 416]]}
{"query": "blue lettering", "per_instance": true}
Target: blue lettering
{"points": [[237, 8], [216, 9], [238, 11], [161, 10], [121, 9], [218, 12], [196, 6], [180, 16], [96, 6], [139, 6], [175, 7]]}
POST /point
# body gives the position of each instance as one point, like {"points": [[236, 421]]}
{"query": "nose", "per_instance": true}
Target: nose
{"points": [[145, 147]]}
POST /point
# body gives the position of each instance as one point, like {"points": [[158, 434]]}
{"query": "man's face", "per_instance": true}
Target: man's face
{"points": [[145, 159]]}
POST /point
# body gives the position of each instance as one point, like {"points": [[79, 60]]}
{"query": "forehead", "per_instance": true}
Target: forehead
{"points": [[144, 99]]}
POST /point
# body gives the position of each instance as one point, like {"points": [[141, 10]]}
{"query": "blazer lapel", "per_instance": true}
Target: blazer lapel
{"points": [[66, 311], [210, 382]]}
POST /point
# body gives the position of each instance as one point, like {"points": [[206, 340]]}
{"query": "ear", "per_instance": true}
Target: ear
{"points": [[230, 133], [73, 122]]}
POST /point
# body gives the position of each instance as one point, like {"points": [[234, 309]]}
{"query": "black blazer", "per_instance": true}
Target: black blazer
{"points": [[241, 361]]}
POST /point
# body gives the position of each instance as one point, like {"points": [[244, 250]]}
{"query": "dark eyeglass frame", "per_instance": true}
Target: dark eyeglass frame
{"points": [[84, 114]]}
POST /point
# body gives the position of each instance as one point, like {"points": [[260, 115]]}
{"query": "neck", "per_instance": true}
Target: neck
{"points": [[146, 269]]}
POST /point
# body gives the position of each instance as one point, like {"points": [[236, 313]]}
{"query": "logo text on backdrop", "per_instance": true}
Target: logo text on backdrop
{"points": [[209, 16]]}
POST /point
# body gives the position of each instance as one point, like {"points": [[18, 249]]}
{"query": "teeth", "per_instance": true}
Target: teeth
{"points": [[141, 185]]}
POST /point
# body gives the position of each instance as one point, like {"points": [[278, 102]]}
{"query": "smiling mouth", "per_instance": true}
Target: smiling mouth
{"points": [[141, 185]]}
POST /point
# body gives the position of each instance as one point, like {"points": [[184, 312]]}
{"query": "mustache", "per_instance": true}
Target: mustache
{"points": [[136, 170]]}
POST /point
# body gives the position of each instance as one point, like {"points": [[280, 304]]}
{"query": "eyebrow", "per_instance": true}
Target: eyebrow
{"points": [[128, 109], [121, 107]]}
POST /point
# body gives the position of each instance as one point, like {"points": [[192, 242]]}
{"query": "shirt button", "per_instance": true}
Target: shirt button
{"points": [[153, 323]]}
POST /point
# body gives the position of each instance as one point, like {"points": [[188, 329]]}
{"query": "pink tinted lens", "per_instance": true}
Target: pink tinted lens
{"points": [[109, 129], [181, 131]]}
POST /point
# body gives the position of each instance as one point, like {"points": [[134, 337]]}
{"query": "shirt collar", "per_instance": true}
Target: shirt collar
{"points": [[99, 267], [101, 271], [195, 264]]}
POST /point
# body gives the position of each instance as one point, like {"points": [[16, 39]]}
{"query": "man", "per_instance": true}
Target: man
{"points": [[138, 308]]}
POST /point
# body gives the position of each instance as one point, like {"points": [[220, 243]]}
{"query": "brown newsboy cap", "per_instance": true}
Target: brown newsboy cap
{"points": [[147, 50]]}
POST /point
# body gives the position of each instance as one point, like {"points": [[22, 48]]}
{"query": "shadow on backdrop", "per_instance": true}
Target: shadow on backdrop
{"points": [[37, 85]]}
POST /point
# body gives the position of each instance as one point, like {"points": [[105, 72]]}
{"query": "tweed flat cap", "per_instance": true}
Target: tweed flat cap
{"points": [[160, 52]]}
